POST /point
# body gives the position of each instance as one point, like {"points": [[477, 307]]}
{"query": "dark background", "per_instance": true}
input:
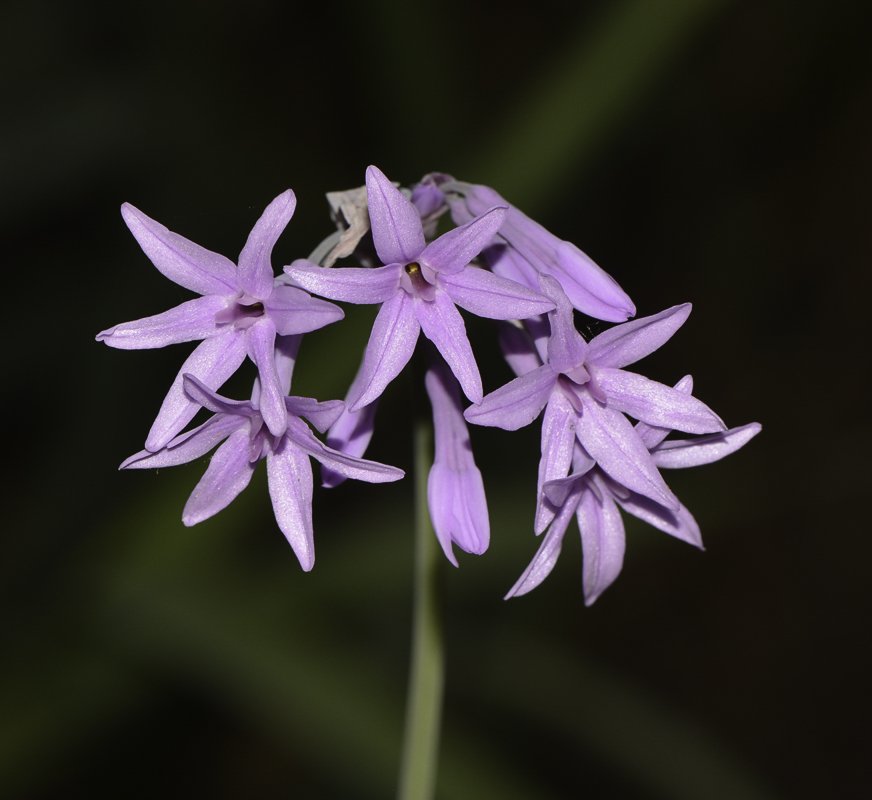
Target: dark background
{"points": [[699, 150]]}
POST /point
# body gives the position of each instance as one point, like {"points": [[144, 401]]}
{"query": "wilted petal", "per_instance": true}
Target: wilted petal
{"points": [[349, 284], [517, 403], [546, 557], [558, 440], [294, 311], [289, 475], [396, 225], [656, 403], [187, 322], [391, 344], [189, 445], [610, 440], [602, 542], [213, 362], [677, 454], [228, 474], [255, 268], [452, 251], [357, 468], [488, 295], [455, 491], [443, 325], [321, 415], [625, 344], [260, 342], [182, 261]]}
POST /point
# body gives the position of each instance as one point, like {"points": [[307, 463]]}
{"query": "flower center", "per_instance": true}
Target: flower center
{"points": [[421, 287]]}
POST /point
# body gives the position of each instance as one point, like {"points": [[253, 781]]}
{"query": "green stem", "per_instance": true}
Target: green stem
{"points": [[424, 704]]}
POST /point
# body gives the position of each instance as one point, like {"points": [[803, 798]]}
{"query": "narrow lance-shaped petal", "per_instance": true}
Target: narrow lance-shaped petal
{"points": [[228, 474], [213, 362], [182, 261], [390, 347], [443, 325], [396, 225], [255, 268]]}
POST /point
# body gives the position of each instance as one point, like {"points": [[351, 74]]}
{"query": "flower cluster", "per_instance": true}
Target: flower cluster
{"points": [[495, 263]]}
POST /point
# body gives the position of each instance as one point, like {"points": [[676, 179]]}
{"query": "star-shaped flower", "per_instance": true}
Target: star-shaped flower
{"points": [[241, 312], [585, 393], [418, 289], [594, 498], [248, 440]]}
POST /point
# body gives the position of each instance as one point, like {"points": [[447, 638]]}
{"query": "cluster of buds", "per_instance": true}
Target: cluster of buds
{"points": [[495, 263]]}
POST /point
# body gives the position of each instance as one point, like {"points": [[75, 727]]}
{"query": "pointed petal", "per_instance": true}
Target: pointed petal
{"points": [[255, 268], [452, 251], [211, 401], [187, 322], [603, 543], [321, 415], [188, 446], [396, 226], [289, 475], [455, 491], [677, 454], [517, 403], [213, 362], [349, 284], [228, 474], [351, 433], [679, 524], [357, 468], [567, 350], [389, 349], [625, 344], [294, 311], [651, 435], [549, 551], [656, 403], [182, 261], [442, 324], [558, 440], [286, 351], [488, 295], [260, 341], [609, 438]]}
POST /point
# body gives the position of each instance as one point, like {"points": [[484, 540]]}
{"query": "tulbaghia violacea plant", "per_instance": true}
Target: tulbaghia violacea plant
{"points": [[496, 263]]}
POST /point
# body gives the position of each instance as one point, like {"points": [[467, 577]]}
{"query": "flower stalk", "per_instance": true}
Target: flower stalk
{"points": [[427, 674]]}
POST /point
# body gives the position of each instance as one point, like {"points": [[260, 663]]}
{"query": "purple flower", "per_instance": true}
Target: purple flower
{"points": [[523, 250], [455, 491], [289, 471], [594, 497], [585, 393], [418, 289], [242, 311]]}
